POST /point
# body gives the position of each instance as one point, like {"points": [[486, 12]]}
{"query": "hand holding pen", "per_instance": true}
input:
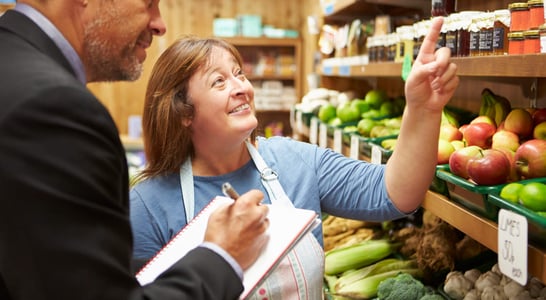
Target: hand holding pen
{"points": [[245, 219]]}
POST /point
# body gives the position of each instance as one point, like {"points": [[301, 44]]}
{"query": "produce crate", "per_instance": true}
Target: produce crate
{"points": [[537, 223], [366, 143], [330, 128], [439, 185], [468, 194]]}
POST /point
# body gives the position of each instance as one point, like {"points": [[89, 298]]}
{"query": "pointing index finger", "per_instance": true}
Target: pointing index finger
{"points": [[429, 43]]}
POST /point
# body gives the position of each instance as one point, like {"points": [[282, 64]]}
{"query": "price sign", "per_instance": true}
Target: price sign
{"points": [[376, 155], [512, 245], [313, 130], [338, 140], [355, 147], [299, 120], [323, 135]]}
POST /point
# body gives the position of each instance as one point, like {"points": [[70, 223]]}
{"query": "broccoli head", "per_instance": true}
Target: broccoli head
{"points": [[401, 287], [432, 297]]}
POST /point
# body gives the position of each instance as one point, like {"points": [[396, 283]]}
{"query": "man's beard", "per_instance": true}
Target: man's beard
{"points": [[107, 61]]}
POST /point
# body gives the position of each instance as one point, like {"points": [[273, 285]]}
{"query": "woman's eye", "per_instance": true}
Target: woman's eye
{"points": [[218, 81], [240, 75]]}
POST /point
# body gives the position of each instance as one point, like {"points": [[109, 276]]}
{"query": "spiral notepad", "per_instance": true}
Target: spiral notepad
{"points": [[287, 225]]}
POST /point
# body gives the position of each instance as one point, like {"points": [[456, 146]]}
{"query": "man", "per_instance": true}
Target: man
{"points": [[64, 227]]}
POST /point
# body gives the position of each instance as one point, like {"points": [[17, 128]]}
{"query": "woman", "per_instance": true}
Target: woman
{"points": [[199, 132]]}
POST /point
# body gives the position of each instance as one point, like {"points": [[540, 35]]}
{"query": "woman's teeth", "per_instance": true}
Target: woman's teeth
{"points": [[240, 108]]}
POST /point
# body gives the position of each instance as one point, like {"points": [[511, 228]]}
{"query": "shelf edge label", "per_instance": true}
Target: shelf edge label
{"points": [[512, 245]]}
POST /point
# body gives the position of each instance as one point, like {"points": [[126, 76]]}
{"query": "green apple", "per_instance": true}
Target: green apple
{"points": [[336, 122], [389, 144], [387, 109], [372, 113], [365, 126], [393, 122], [347, 113], [511, 191], [539, 132], [532, 196], [361, 104], [375, 98], [327, 112]]}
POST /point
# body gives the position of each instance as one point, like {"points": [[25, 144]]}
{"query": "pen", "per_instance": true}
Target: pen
{"points": [[229, 191]]}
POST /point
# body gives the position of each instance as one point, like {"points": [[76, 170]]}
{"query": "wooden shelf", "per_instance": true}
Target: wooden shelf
{"points": [[484, 66], [263, 41], [480, 229]]}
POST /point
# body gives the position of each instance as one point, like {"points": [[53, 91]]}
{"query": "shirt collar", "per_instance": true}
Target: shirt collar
{"points": [[57, 37]]}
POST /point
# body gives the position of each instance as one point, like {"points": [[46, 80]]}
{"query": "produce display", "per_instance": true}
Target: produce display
{"points": [[409, 254]]}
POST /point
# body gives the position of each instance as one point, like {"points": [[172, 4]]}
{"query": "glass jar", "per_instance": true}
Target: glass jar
{"points": [[536, 13], [443, 7], [501, 26], [450, 24], [531, 41], [485, 24], [404, 45], [463, 23], [418, 37], [474, 29], [515, 42], [519, 16]]}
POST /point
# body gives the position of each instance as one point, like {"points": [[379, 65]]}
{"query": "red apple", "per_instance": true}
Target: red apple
{"points": [[539, 116], [531, 159], [490, 167], [483, 119], [450, 132], [462, 128], [520, 122], [505, 139], [511, 155], [479, 134], [445, 148], [539, 132], [459, 159]]}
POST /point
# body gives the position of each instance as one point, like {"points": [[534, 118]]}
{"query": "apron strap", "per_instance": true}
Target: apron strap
{"points": [[186, 184], [269, 178]]}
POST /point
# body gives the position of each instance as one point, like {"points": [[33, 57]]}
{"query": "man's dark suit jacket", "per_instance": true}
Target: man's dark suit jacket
{"points": [[64, 225]]}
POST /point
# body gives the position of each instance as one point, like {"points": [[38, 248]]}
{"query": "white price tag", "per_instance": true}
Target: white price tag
{"points": [[323, 135], [299, 121], [512, 245], [338, 140], [313, 130], [376, 155], [354, 150]]}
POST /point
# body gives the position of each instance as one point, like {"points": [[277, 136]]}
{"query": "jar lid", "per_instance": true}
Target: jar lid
{"points": [[531, 32], [518, 6], [535, 2], [515, 34]]}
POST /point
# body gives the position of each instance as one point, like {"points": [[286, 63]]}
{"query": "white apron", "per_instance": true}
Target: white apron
{"points": [[300, 274]]}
